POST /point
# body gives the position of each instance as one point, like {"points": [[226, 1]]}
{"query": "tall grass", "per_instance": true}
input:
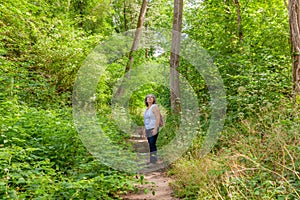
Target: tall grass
{"points": [[257, 158]]}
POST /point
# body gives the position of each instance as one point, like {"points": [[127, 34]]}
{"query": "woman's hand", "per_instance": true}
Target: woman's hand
{"points": [[154, 131]]}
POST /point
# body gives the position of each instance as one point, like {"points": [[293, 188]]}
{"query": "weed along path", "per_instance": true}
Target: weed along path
{"points": [[154, 184]]}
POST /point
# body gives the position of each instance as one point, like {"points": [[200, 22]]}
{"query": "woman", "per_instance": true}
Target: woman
{"points": [[151, 122]]}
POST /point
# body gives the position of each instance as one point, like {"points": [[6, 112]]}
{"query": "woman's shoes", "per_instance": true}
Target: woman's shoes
{"points": [[158, 162], [151, 163]]}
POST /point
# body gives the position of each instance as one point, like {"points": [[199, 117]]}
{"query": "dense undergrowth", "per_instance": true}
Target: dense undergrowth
{"points": [[256, 158], [42, 156]]}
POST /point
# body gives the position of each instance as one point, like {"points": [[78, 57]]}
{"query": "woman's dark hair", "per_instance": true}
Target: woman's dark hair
{"points": [[150, 95]]}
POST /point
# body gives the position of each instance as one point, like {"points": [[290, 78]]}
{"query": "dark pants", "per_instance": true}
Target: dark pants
{"points": [[152, 145]]}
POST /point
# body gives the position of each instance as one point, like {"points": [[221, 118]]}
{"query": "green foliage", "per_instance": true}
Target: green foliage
{"points": [[26, 86], [255, 159], [159, 14], [48, 43], [41, 154], [255, 71], [43, 157], [92, 16]]}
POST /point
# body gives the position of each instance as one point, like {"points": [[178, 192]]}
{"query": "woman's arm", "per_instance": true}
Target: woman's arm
{"points": [[157, 119]]}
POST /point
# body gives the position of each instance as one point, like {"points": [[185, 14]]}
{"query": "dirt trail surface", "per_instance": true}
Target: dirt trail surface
{"points": [[156, 186]]}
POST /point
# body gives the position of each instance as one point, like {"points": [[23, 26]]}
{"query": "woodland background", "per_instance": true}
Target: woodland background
{"points": [[43, 44]]}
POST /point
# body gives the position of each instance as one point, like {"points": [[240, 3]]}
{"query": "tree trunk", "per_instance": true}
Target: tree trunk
{"points": [[174, 60], [124, 16], [239, 19], [134, 46], [138, 33], [294, 20]]}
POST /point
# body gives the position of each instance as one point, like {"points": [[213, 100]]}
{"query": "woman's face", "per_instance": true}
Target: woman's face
{"points": [[150, 99]]}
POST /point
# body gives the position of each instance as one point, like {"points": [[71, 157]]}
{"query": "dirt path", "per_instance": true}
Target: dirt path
{"points": [[155, 185]]}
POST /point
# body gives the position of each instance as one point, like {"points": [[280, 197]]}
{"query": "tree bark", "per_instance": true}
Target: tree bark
{"points": [[294, 19], [174, 60], [239, 19]]}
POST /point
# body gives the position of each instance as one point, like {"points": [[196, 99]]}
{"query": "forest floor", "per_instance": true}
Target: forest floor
{"points": [[155, 184]]}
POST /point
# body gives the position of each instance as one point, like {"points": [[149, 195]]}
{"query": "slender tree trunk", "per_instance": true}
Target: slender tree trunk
{"points": [[294, 20], [135, 43], [80, 6], [174, 60], [138, 33], [147, 49], [124, 16], [239, 19]]}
